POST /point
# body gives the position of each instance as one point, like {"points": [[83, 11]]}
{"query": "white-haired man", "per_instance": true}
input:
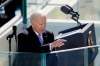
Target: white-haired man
{"points": [[38, 40]]}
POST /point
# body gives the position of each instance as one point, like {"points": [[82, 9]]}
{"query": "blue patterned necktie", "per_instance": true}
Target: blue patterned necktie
{"points": [[40, 38], [43, 55]]}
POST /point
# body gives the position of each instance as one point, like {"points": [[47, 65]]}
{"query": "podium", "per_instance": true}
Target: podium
{"points": [[79, 36]]}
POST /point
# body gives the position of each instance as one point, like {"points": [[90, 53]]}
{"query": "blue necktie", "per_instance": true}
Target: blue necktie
{"points": [[43, 55], [40, 38]]}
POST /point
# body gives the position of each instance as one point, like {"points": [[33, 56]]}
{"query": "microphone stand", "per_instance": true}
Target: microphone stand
{"points": [[9, 38], [75, 17]]}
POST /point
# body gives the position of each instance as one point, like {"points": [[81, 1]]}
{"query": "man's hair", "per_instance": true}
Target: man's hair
{"points": [[36, 15]]}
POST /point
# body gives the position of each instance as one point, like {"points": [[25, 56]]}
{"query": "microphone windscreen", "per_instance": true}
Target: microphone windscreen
{"points": [[66, 9]]}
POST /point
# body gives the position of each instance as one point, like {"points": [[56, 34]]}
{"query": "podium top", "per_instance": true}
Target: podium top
{"points": [[74, 30]]}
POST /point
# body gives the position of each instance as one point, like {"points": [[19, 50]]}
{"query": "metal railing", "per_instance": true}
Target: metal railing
{"points": [[70, 57]]}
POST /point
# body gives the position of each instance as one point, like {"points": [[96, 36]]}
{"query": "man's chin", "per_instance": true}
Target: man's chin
{"points": [[42, 31]]}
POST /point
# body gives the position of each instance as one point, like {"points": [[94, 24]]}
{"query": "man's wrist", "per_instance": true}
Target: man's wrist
{"points": [[50, 45]]}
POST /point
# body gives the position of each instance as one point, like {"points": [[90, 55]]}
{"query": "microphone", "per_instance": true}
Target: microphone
{"points": [[14, 30], [66, 9], [13, 33], [69, 10]]}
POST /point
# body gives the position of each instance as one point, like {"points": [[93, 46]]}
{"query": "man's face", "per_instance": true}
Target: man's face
{"points": [[40, 24]]}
